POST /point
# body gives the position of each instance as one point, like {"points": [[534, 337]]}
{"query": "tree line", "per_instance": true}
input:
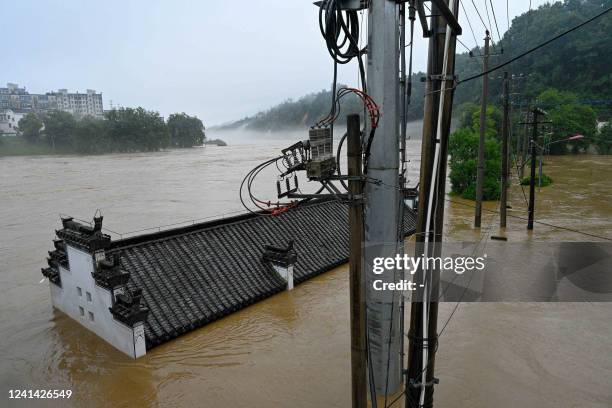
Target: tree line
{"points": [[121, 130]]}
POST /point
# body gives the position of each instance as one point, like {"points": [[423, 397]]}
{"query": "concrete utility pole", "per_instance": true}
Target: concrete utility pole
{"points": [[359, 394], [505, 128], [483, 128], [423, 334], [382, 206]]}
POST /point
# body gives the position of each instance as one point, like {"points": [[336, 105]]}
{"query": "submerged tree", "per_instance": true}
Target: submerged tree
{"points": [[463, 149], [59, 128], [185, 130], [30, 126], [131, 130]]}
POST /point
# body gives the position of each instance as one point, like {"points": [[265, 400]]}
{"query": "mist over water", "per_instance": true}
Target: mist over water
{"points": [[245, 136]]}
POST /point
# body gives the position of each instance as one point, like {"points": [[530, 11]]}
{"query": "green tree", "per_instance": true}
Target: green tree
{"points": [[553, 97], [185, 130], [131, 130], [493, 119], [59, 128], [603, 140], [569, 120], [463, 148], [91, 136], [30, 126]]}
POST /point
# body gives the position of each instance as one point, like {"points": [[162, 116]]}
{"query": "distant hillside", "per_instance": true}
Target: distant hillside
{"points": [[579, 62]]}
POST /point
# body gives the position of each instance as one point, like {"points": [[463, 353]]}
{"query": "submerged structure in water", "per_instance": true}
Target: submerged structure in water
{"points": [[140, 292]]}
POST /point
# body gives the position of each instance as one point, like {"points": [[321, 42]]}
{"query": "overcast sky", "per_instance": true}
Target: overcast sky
{"points": [[219, 60]]}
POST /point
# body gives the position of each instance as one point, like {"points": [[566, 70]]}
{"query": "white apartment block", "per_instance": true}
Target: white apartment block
{"points": [[79, 104]]}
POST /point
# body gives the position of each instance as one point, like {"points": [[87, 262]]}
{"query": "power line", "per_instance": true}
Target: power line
{"points": [[469, 23], [464, 46], [479, 16], [538, 222], [488, 16], [508, 15], [496, 26], [536, 47]]}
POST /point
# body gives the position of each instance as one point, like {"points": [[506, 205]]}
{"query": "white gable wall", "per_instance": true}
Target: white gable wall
{"points": [[79, 305]]}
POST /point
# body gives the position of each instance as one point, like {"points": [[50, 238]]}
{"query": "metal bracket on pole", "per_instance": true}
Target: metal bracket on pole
{"points": [[418, 384], [450, 18], [423, 19], [440, 78]]}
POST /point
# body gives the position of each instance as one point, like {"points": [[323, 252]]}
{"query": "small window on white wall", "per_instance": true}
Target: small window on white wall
{"points": [[91, 316], [82, 311], [79, 291], [88, 296]]}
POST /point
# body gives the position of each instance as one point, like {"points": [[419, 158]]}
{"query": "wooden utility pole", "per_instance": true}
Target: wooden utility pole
{"points": [[483, 129], [432, 191], [532, 149], [505, 128], [533, 144], [356, 277]]}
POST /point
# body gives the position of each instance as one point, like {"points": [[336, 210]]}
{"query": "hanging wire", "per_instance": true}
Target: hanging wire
{"points": [[496, 27], [479, 16], [469, 24]]}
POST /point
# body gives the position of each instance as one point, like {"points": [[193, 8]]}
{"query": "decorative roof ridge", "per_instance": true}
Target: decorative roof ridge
{"points": [[281, 256], [109, 274], [128, 309]]}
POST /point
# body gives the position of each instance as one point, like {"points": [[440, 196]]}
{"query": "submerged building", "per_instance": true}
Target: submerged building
{"points": [[140, 292]]}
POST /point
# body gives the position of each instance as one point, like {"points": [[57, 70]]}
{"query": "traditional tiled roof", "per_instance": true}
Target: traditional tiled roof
{"points": [[194, 275]]}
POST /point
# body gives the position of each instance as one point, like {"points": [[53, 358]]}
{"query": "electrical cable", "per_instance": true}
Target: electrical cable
{"points": [[507, 15], [541, 222], [479, 16], [469, 24], [490, 28], [496, 26]]}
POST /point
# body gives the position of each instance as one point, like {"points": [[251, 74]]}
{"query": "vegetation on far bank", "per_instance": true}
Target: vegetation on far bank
{"points": [[121, 130]]}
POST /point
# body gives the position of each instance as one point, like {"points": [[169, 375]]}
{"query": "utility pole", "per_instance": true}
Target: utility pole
{"points": [[524, 145], [505, 128], [423, 334], [532, 146], [382, 205], [483, 128], [356, 275]]}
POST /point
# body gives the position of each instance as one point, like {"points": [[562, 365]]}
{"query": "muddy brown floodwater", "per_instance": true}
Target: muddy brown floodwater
{"points": [[291, 350]]}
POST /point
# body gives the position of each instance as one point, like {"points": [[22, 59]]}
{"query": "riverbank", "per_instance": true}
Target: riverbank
{"points": [[18, 146]]}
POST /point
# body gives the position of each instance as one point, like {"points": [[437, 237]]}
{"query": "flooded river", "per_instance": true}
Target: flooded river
{"points": [[291, 350]]}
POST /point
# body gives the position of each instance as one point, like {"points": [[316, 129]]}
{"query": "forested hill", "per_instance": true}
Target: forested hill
{"points": [[579, 62]]}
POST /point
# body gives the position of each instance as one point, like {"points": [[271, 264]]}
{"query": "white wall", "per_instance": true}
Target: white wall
{"points": [[79, 306], [286, 274]]}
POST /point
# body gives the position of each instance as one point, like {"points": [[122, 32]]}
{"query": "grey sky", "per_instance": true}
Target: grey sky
{"points": [[219, 60]]}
